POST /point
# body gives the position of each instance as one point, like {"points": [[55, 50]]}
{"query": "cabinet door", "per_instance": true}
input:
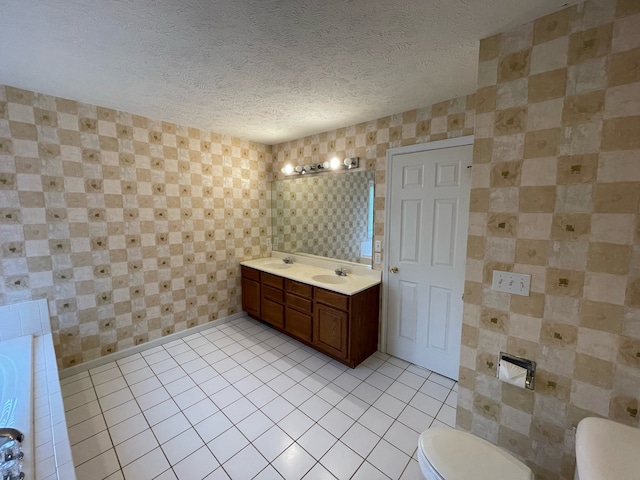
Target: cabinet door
{"points": [[331, 330], [297, 324], [251, 297], [272, 312]]}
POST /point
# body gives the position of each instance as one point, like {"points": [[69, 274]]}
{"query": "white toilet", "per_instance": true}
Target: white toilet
{"points": [[448, 454]]}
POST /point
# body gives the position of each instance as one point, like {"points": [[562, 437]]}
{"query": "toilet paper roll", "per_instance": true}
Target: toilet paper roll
{"points": [[513, 374]]}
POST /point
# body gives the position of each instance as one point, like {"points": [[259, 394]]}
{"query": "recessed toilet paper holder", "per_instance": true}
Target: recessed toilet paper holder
{"points": [[529, 365]]}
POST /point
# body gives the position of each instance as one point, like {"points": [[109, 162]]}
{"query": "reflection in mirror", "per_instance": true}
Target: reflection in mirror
{"points": [[330, 215]]}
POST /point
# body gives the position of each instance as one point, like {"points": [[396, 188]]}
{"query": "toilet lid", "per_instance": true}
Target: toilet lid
{"points": [[459, 455]]}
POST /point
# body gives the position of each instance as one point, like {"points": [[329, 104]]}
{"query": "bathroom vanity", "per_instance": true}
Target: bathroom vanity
{"points": [[336, 315]]}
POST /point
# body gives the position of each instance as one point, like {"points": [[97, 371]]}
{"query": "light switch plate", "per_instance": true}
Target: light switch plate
{"points": [[509, 282], [377, 246], [376, 258]]}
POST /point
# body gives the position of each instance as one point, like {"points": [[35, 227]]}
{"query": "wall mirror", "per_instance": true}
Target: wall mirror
{"points": [[330, 215]]}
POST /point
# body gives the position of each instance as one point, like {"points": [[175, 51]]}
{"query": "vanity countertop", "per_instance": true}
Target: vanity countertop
{"points": [[318, 272]]}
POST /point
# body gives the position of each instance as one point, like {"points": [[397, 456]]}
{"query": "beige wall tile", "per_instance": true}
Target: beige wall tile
{"points": [[625, 33], [591, 43], [548, 85], [602, 287], [552, 26], [624, 67], [573, 169], [514, 65], [609, 258], [565, 282], [583, 108], [616, 198], [539, 199], [549, 56], [541, 143], [602, 316], [534, 252], [539, 171]]}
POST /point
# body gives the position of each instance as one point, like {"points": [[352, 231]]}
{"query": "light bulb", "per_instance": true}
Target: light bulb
{"points": [[287, 169], [299, 169], [335, 163]]}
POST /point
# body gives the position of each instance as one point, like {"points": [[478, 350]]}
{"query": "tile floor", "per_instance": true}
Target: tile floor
{"points": [[241, 401]]}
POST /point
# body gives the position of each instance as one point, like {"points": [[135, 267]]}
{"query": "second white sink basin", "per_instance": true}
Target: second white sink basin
{"points": [[330, 279]]}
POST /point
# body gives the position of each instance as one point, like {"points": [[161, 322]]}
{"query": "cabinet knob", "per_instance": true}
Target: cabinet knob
{"points": [[393, 269]]}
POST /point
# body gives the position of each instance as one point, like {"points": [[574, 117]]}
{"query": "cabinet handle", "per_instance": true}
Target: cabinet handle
{"points": [[393, 269]]}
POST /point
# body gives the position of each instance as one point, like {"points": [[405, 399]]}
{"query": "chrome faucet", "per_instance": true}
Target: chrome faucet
{"points": [[288, 260], [341, 271]]}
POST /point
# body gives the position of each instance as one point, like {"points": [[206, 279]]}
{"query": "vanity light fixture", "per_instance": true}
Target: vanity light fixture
{"points": [[334, 164]]}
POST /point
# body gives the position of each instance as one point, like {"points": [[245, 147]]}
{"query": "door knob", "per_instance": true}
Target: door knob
{"points": [[393, 269]]}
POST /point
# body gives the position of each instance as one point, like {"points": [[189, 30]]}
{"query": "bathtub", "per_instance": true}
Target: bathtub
{"points": [[16, 399], [28, 364]]}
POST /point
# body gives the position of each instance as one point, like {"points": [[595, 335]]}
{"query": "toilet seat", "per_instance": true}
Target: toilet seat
{"points": [[457, 455]]}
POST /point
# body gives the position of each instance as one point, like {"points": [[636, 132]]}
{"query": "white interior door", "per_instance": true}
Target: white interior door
{"points": [[426, 251]]}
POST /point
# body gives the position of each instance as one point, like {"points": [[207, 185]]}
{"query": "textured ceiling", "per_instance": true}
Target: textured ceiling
{"points": [[266, 70]]}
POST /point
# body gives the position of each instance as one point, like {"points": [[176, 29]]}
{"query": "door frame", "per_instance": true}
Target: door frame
{"points": [[421, 147]]}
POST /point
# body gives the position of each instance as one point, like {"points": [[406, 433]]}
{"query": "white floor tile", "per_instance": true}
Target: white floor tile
{"points": [[245, 464], [182, 445], [171, 396], [189, 397], [82, 413], [201, 410], [360, 439], [297, 395], [376, 421], [435, 390], [227, 444], [239, 409], [402, 437], [293, 463], [86, 429], [147, 467], [169, 428], [98, 467], [255, 425], [136, 447], [352, 406], [315, 408], [444, 381], [388, 459], [91, 447], [447, 415], [272, 443], [390, 405], [161, 412], [145, 386], [318, 472], [225, 397], [110, 386], [121, 412], [277, 409], [213, 426], [197, 465], [129, 428], [369, 472], [341, 461], [317, 441], [336, 422], [295, 424], [426, 404], [415, 419]]}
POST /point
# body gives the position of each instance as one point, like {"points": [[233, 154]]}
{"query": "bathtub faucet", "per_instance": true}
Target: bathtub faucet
{"points": [[11, 434]]}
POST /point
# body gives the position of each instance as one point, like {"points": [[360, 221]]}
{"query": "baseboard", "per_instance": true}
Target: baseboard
{"points": [[112, 357]]}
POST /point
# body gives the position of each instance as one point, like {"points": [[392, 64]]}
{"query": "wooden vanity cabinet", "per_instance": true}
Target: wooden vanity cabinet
{"points": [[251, 291], [298, 319], [344, 327], [272, 299]]}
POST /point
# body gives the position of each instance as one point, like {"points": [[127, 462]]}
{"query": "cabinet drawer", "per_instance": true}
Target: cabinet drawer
{"points": [[336, 300], [272, 293], [250, 273], [299, 303], [298, 324], [300, 289], [272, 312], [273, 280]]}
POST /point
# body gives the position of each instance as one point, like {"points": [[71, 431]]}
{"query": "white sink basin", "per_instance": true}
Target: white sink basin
{"points": [[278, 266], [330, 279]]}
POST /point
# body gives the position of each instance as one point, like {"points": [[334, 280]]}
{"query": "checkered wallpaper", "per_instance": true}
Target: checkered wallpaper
{"points": [[322, 214], [132, 228], [555, 194]]}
